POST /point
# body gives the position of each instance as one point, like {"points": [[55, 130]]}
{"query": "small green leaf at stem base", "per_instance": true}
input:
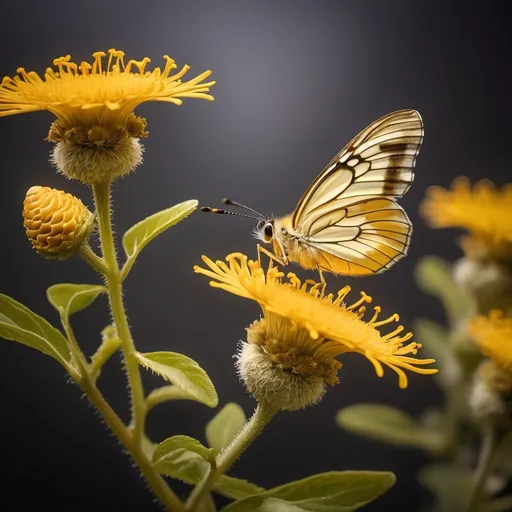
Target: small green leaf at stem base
{"points": [[70, 298], [387, 424], [336, 491], [18, 323], [139, 235], [182, 371], [223, 428], [183, 457]]}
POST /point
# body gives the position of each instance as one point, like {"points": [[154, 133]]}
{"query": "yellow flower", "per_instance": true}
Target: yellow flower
{"points": [[484, 211], [304, 331], [493, 334], [491, 393], [98, 95], [96, 132]]}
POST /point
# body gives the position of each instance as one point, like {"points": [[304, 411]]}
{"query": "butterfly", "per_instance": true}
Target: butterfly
{"points": [[348, 221]]}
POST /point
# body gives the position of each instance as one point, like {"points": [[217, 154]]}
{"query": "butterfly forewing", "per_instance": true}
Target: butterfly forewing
{"points": [[349, 215]]}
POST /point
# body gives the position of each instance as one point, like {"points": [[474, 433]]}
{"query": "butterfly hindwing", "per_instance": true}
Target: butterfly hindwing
{"points": [[368, 237]]}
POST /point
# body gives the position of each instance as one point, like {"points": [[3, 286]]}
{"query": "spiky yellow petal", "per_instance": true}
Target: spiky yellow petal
{"points": [[305, 330]]}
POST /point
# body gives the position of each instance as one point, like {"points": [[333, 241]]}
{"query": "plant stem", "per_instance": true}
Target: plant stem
{"points": [[230, 454], [127, 438], [130, 437], [113, 281], [91, 258], [487, 454]]}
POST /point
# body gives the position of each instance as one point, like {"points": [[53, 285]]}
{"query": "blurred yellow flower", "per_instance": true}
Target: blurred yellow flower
{"points": [[89, 95], [484, 210], [493, 334], [309, 330]]}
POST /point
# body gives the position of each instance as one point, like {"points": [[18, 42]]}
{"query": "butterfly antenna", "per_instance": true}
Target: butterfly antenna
{"points": [[219, 211], [240, 205]]}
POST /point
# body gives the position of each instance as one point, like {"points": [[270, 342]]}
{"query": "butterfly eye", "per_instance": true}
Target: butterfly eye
{"points": [[268, 232]]}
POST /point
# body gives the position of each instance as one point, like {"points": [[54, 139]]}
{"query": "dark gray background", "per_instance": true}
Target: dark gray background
{"points": [[296, 81]]}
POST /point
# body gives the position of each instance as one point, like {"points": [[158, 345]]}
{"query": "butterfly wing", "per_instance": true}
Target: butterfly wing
{"points": [[349, 216]]}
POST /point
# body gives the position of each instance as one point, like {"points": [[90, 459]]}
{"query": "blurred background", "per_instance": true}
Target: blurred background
{"points": [[295, 81]]}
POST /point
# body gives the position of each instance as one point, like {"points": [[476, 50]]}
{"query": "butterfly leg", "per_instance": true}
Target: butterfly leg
{"points": [[272, 257], [322, 280]]}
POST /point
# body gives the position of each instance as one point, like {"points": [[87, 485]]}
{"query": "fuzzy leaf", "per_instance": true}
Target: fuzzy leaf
{"points": [[223, 428], [236, 488], [184, 458], [434, 276], [18, 323], [139, 235], [182, 371], [387, 424], [336, 491], [73, 297]]}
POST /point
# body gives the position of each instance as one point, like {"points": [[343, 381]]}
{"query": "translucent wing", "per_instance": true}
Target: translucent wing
{"points": [[365, 238], [349, 215]]}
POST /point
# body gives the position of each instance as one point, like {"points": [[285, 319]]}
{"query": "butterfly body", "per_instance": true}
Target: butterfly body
{"points": [[348, 221]]}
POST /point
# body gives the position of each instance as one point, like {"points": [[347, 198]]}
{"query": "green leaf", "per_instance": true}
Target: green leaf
{"points": [[336, 491], [139, 235], [436, 343], [434, 276], [70, 298], [387, 424], [18, 323], [236, 488], [223, 428], [183, 457], [451, 485], [182, 371]]}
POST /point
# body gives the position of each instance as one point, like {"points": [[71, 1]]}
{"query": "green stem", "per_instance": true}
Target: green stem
{"points": [[113, 279], [487, 454], [231, 453], [127, 438], [78, 355], [92, 259]]}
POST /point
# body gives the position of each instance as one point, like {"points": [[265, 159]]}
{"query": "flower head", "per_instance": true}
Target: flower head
{"points": [[303, 331], [493, 334], [484, 211], [491, 394], [57, 223], [98, 94], [96, 130]]}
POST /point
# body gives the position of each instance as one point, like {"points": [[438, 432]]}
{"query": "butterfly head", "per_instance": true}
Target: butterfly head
{"points": [[264, 230]]}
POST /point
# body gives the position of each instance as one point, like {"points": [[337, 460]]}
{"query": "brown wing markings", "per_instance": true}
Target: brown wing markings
{"points": [[400, 119]]}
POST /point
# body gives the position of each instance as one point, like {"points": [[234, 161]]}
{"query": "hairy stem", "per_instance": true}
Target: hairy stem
{"points": [[113, 281], [487, 454], [127, 438], [231, 453], [131, 438], [91, 258]]}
